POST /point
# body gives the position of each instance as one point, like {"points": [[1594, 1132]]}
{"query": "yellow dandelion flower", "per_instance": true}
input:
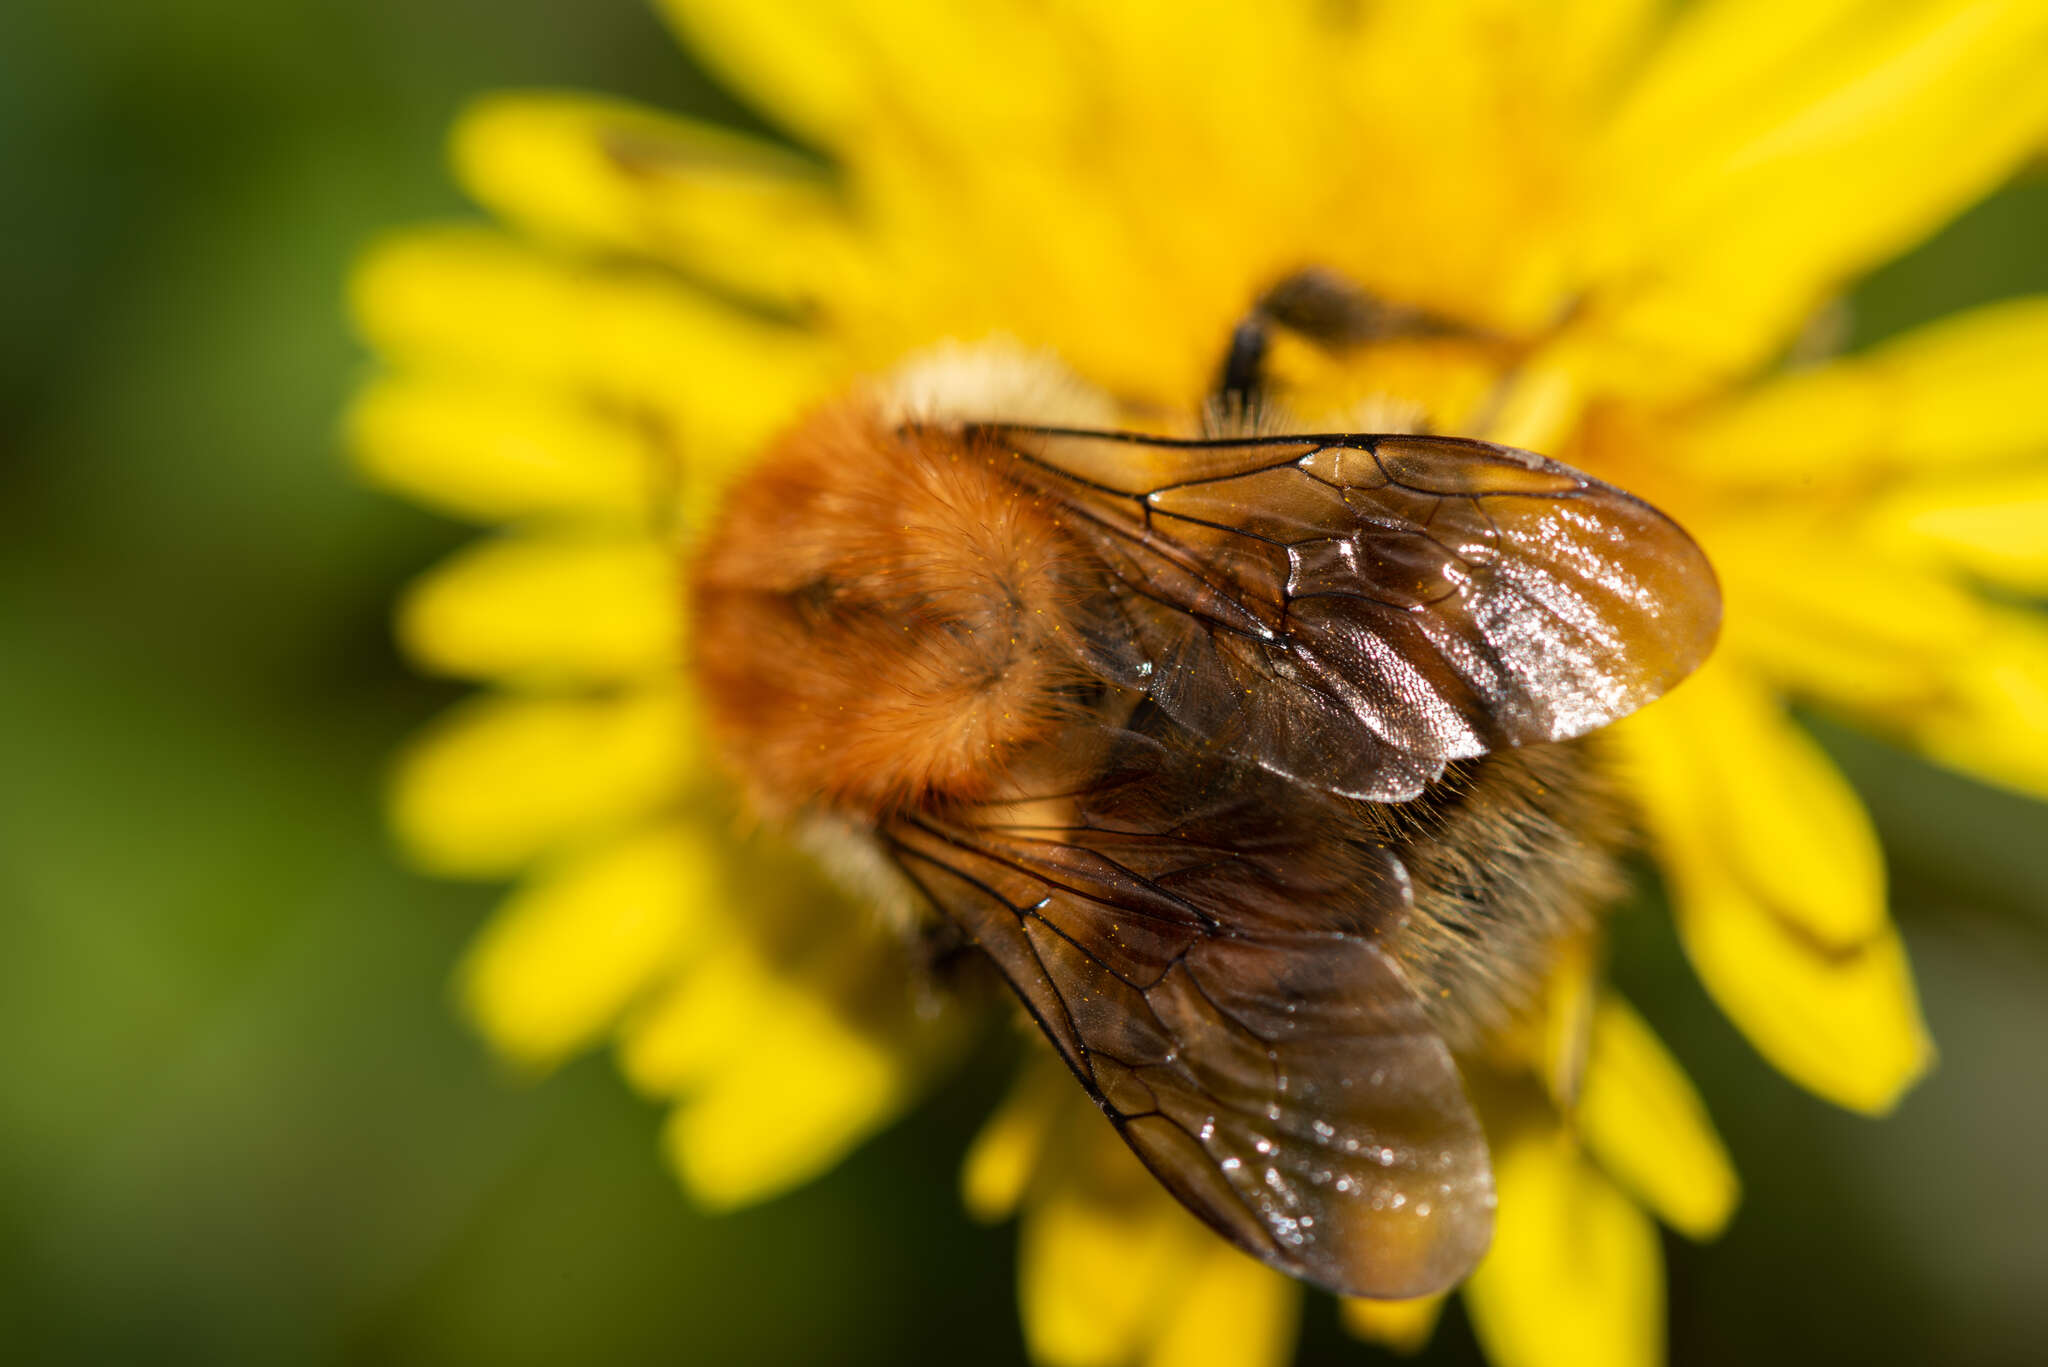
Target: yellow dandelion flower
{"points": [[1648, 208]]}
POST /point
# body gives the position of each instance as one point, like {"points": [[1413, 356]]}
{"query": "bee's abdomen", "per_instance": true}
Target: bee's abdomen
{"points": [[1510, 856]]}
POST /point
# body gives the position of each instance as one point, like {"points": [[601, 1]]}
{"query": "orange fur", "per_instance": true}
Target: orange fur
{"points": [[874, 616]]}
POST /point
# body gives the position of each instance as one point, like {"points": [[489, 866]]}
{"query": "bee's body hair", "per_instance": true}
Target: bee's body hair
{"points": [[1510, 857]]}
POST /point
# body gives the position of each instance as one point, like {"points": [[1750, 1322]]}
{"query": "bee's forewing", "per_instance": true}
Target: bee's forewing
{"points": [[1358, 611]]}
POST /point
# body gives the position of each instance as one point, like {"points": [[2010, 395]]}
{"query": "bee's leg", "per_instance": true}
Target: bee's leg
{"points": [[1326, 309], [1241, 383], [1336, 314]]}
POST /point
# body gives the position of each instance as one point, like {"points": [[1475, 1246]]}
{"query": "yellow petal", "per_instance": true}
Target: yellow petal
{"points": [[1569, 994], [1741, 780], [501, 781], [1230, 1312], [1006, 1152], [1992, 717], [1113, 1271], [1824, 610], [1575, 1277], [1509, 91], [557, 609], [1639, 1116], [688, 1032], [475, 303], [1129, 84], [919, 78], [1777, 890], [1091, 1275], [567, 954], [792, 58], [1402, 1326], [603, 173], [1772, 151], [1538, 410], [1993, 526], [1710, 60], [801, 943], [1961, 392], [787, 1042], [791, 1093], [1826, 614], [1844, 1025], [499, 453]]}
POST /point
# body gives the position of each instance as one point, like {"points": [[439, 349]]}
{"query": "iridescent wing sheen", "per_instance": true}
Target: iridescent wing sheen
{"points": [[1357, 611], [1202, 941]]}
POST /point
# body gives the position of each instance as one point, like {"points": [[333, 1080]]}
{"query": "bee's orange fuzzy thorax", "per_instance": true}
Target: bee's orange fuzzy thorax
{"points": [[879, 615]]}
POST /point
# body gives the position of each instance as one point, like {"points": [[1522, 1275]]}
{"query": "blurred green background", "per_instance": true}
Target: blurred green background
{"points": [[239, 1123]]}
